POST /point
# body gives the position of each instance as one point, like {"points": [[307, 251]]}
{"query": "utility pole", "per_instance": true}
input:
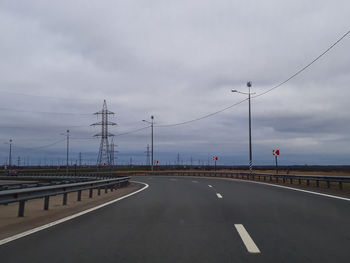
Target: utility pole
{"points": [[191, 161], [147, 155], [178, 158], [79, 158], [112, 152], [152, 118], [10, 156], [18, 161], [249, 84], [67, 163], [152, 124]]}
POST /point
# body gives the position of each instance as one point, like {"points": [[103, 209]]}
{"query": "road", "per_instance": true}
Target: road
{"points": [[188, 219]]}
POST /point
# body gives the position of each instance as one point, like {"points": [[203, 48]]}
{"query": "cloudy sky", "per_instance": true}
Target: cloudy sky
{"points": [[177, 60]]}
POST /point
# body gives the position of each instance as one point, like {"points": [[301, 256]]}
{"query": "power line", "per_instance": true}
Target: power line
{"points": [[39, 95], [33, 149], [304, 68], [116, 135], [203, 117], [45, 112], [210, 114], [131, 131], [265, 92], [35, 127]]}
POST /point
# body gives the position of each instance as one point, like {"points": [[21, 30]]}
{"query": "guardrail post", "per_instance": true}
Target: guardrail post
{"points": [[276, 179], [284, 179], [264, 178], [270, 178], [307, 182], [299, 181], [291, 180], [317, 183], [99, 191], [21, 208], [340, 185], [328, 184], [106, 188], [79, 195], [90, 192], [65, 199], [46, 202]]}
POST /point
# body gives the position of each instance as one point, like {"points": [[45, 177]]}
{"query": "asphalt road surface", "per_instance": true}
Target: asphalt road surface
{"points": [[187, 219]]}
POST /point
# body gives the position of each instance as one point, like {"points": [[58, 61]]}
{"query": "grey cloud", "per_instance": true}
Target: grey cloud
{"points": [[177, 61]]}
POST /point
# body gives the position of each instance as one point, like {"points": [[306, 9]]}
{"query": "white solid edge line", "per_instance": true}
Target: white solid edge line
{"points": [[37, 229], [247, 240], [291, 188], [219, 195], [273, 185]]}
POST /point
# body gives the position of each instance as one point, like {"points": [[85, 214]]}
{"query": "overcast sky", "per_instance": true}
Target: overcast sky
{"points": [[177, 60]]}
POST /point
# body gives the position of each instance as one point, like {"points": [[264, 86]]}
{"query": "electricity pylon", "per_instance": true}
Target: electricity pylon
{"points": [[148, 162], [104, 154]]}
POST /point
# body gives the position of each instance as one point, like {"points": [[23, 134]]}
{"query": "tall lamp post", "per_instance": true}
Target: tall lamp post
{"points": [[10, 155], [249, 84], [67, 153], [152, 124]]}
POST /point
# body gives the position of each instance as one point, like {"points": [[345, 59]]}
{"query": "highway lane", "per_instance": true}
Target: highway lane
{"points": [[183, 219]]}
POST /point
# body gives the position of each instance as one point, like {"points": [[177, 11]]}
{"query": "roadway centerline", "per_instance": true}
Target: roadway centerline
{"points": [[219, 195], [247, 240]]}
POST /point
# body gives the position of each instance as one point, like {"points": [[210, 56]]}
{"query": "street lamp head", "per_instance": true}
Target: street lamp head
{"points": [[152, 117], [249, 84], [234, 90]]}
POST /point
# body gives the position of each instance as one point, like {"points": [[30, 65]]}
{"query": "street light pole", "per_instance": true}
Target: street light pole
{"points": [[152, 119], [249, 84], [152, 125], [10, 155], [67, 164]]}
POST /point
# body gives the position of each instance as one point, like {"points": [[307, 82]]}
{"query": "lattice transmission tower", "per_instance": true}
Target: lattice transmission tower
{"points": [[148, 161], [105, 153]]}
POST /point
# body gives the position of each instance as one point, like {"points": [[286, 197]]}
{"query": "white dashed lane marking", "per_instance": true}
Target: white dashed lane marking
{"points": [[219, 195], [247, 240]]}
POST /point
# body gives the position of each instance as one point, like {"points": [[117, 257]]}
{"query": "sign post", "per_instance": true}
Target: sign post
{"points": [[215, 158], [276, 153]]}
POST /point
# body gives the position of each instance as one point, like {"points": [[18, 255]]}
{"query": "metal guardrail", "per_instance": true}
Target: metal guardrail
{"points": [[23, 195], [291, 178], [18, 182]]}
